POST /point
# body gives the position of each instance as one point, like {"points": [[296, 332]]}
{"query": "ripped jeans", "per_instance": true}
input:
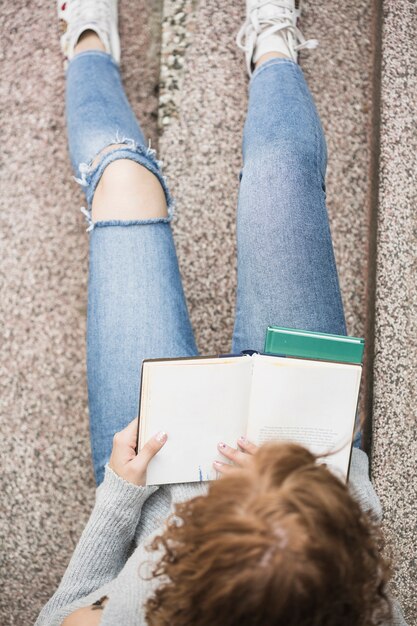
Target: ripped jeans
{"points": [[285, 261]]}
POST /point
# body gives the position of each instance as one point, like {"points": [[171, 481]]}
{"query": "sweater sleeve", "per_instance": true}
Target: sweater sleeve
{"points": [[105, 543], [360, 484]]}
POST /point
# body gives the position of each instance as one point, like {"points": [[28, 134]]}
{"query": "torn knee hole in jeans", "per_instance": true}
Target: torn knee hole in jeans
{"points": [[109, 148], [121, 147], [86, 169]]}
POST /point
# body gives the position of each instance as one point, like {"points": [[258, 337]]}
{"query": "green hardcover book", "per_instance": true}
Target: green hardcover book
{"points": [[312, 345]]}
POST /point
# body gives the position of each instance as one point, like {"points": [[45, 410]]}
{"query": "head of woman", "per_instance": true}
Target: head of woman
{"points": [[278, 542]]}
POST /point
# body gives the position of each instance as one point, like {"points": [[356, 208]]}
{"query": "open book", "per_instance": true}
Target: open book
{"points": [[200, 401]]}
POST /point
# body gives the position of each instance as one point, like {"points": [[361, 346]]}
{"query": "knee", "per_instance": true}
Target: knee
{"points": [[128, 190], [285, 166]]}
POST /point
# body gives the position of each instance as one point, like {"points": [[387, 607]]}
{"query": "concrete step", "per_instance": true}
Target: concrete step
{"points": [[393, 275], [202, 106]]}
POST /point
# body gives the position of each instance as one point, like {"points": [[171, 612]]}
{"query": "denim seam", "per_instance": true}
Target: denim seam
{"points": [[317, 139], [332, 261], [318, 130]]}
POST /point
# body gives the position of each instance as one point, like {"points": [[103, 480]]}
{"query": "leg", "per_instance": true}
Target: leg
{"points": [[287, 274], [136, 304], [286, 267]]}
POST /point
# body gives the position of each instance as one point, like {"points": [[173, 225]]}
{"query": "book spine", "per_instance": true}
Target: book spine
{"points": [[317, 346]]}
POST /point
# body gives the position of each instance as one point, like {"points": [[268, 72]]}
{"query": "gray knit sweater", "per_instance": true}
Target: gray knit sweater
{"points": [[110, 558]]}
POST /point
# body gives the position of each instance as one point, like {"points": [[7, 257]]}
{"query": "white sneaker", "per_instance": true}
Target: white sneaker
{"points": [[77, 16], [271, 26]]}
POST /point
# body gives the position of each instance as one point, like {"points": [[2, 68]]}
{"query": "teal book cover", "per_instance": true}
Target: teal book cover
{"points": [[314, 345]]}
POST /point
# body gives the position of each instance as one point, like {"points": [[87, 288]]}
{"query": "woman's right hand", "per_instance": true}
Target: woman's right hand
{"points": [[239, 457]]}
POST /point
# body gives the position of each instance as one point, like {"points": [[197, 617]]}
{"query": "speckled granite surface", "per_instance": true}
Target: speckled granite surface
{"points": [[395, 391], [46, 476], [47, 482]]}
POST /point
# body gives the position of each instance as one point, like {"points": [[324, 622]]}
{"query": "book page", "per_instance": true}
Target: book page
{"points": [[198, 402], [309, 402]]}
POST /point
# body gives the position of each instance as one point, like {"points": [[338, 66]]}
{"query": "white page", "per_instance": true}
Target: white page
{"points": [[201, 403], [309, 402]]}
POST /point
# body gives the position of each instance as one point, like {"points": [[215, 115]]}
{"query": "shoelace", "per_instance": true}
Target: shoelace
{"points": [[254, 24]]}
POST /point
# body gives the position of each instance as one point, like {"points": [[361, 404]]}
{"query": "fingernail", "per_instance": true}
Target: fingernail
{"points": [[161, 436], [222, 445], [243, 439], [218, 463]]}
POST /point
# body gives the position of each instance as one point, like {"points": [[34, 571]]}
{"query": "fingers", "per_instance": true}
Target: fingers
{"points": [[246, 445], [241, 458], [223, 468], [132, 426], [152, 447], [124, 460], [128, 433]]}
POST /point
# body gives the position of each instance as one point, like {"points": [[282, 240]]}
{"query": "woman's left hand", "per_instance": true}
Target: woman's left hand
{"points": [[124, 460], [240, 456]]}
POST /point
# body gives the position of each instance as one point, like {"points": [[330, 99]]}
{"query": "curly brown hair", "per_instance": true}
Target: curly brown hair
{"points": [[280, 542]]}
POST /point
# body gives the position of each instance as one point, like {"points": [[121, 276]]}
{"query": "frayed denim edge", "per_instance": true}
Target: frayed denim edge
{"points": [[101, 223], [90, 177], [273, 61]]}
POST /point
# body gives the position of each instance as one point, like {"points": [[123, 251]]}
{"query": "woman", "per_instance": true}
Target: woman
{"points": [[278, 539]]}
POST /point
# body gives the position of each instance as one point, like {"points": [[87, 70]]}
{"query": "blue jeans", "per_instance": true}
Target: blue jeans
{"points": [[286, 267]]}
